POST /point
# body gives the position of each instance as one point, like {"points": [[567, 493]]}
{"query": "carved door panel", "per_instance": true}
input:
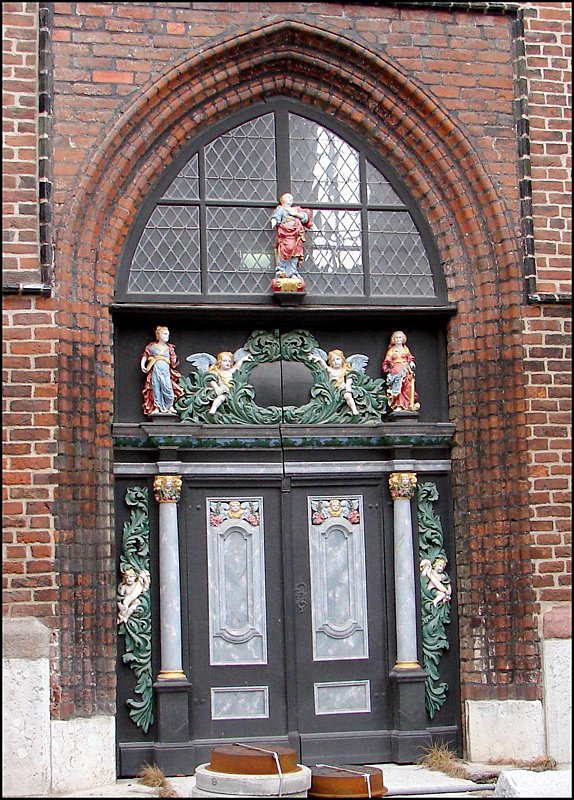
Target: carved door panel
{"points": [[235, 613], [340, 622]]}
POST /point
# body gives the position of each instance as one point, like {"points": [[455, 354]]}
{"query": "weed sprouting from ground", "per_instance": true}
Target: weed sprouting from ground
{"points": [[542, 764], [152, 775], [439, 758]]}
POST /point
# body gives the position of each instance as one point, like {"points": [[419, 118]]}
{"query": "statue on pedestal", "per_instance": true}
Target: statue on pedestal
{"points": [[159, 364], [289, 223], [399, 367]]}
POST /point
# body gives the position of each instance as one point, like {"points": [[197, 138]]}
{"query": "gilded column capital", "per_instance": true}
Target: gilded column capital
{"points": [[167, 488], [402, 484]]}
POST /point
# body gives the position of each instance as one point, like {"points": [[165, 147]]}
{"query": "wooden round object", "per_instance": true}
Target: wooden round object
{"points": [[346, 781], [241, 760]]}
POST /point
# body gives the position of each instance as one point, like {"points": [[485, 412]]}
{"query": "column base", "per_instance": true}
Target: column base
{"points": [[407, 747], [171, 675], [173, 709], [411, 737]]}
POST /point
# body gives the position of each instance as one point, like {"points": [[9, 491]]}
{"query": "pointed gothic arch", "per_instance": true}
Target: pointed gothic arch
{"points": [[321, 69]]}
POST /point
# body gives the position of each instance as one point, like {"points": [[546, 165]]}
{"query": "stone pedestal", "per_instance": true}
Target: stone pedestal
{"points": [[225, 784], [173, 716], [195, 792], [410, 737]]}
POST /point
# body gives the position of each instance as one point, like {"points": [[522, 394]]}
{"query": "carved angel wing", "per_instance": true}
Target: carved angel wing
{"points": [[358, 362], [201, 360], [239, 354], [316, 351]]}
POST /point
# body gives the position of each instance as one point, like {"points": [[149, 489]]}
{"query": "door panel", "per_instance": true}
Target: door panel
{"points": [[341, 631], [236, 642]]}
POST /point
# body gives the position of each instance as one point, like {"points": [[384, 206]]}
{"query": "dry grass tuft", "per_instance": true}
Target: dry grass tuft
{"points": [[542, 764], [152, 775], [168, 791], [440, 759]]}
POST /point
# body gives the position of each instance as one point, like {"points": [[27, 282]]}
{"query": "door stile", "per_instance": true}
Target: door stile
{"points": [[289, 612]]}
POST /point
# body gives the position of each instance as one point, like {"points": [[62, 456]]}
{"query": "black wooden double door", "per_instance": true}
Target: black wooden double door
{"points": [[285, 615]]}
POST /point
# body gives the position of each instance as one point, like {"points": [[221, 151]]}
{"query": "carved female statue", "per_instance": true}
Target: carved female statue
{"points": [[338, 367], [399, 366], [159, 363], [289, 222], [129, 592]]}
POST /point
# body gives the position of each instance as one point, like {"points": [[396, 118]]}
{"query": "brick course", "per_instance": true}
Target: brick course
{"points": [[435, 91]]}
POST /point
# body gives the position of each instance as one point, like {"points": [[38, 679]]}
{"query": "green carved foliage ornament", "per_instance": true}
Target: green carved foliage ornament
{"points": [[134, 609], [230, 382], [435, 596]]}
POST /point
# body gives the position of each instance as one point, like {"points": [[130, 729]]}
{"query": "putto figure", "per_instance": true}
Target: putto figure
{"points": [[223, 368], [437, 579], [399, 367], [159, 363], [289, 223], [338, 367], [129, 592]]}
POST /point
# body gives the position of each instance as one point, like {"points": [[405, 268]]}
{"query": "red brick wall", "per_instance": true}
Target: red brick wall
{"points": [[19, 139], [29, 343], [548, 343], [439, 105], [548, 48], [549, 430]]}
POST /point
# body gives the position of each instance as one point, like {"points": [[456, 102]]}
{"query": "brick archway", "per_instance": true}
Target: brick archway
{"points": [[474, 234], [322, 69]]}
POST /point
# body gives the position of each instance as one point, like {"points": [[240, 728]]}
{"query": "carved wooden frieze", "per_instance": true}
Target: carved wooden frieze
{"points": [[219, 390]]}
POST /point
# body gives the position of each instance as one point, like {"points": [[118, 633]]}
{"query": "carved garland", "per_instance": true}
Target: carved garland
{"points": [[135, 622], [326, 405], [435, 596]]}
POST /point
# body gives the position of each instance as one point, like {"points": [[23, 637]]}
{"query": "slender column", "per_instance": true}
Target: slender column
{"points": [[167, 490], [403, 485]]}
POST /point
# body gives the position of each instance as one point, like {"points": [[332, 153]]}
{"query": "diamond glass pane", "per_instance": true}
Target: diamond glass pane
{"points": [[240, 165], [239, 250], [166, 258], [333, 261], [186, 184], [399, 264], [379, 190], [324, 168]]}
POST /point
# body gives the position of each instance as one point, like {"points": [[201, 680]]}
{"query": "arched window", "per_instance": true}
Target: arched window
{"points": [[204, 234]]}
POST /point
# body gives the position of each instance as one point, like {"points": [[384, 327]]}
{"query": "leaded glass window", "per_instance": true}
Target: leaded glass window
{"points": [[206, 236]]}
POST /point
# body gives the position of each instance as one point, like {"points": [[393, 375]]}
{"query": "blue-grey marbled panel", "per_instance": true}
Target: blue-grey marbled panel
{"points": [[338, 578], [236, 610], [236, 569], [337, 569], [343, 697], [240, 702]]}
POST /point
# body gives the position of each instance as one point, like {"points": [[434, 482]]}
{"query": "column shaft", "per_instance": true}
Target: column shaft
{"points": [[402, 490], [167, 491]]}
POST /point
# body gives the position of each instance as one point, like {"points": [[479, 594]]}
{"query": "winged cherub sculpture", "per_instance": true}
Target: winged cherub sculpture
{"points": [[222, 368], [338, 368]]}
